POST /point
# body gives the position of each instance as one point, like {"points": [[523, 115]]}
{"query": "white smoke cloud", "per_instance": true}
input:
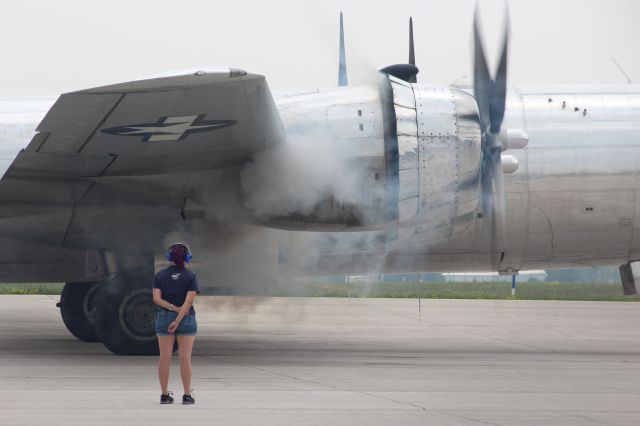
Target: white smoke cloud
{"points": [[297, 175]]}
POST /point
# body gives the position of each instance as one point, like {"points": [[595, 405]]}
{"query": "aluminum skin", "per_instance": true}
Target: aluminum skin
{"points": [[571, 188]]}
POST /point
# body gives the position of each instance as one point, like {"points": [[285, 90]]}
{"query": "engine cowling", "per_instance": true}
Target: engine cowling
{"points": [[409, 156], [439, 142]]}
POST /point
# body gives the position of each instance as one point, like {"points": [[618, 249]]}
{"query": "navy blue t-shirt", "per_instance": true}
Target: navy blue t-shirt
{"points": [[174, 283]]}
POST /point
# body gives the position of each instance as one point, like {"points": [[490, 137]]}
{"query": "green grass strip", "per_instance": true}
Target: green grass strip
{"points": [[428, 290]]}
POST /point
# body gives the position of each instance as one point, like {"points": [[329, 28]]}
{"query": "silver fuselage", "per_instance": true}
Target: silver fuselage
{"points": [[573, 200]]}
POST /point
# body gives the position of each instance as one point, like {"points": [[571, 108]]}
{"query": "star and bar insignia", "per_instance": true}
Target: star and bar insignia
{"points": [[170, 128]]}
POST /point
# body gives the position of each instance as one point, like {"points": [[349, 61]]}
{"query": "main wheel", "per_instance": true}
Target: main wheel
{"points": [[124, 319], [76, 307]]}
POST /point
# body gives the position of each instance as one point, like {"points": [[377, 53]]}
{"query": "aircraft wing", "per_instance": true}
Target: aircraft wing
{"points": [[183, 123], [141, 138]]}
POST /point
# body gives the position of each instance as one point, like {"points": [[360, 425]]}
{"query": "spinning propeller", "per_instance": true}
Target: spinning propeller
{"points": [[490, 92]]}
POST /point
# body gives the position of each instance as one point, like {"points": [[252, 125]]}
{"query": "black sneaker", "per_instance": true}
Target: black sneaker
{"points": [[187, 398], [166, 399]]}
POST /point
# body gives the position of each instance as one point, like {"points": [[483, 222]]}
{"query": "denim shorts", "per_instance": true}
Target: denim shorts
{"points": [[188, 326]]}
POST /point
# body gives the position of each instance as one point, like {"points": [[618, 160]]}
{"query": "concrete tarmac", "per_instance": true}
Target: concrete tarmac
{"points": [[323, 361]]}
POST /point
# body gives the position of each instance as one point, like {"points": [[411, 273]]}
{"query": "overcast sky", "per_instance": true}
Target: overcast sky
{"points": [[50, 47]]}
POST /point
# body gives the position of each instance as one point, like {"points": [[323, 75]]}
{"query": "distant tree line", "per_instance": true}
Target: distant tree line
{"points": [[584, 275], [430, 277], [609, 275], [433, 277]]}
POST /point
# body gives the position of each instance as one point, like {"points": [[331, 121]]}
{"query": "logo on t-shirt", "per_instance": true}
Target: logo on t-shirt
{"points": [[175, 276]]}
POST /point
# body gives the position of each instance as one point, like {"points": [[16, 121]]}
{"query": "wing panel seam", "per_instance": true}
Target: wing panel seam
{"points": [[101, 122]]}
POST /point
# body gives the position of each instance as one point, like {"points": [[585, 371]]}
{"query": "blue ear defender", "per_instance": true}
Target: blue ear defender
{"points": [[187, 255]]}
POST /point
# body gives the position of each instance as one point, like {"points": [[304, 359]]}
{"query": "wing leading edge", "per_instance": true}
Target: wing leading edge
{"points": [[172, 124]]}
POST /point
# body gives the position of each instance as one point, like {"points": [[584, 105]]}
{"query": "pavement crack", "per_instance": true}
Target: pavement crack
{"points": [[499, 339], [458, 416], [585, 418], [290, 376], [411, 316], [333, 387], [391, 400]]}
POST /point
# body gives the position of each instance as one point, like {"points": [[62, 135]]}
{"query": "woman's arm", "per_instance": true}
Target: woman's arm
{"points": [[184, 309], [158, 300]]}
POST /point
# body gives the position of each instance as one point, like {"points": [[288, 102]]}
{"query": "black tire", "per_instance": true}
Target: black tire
{"points": [[124, 318], [77, 308]]}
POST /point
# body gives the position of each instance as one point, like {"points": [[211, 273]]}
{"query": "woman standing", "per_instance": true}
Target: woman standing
{"points": [[174, 290]]}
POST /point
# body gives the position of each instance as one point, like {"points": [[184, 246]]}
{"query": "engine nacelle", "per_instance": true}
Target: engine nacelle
{"points": [[402, 155], [439, 152]]}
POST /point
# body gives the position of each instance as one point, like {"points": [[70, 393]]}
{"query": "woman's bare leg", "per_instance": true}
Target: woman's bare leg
{"points": [[185, 345], [165, 344]]}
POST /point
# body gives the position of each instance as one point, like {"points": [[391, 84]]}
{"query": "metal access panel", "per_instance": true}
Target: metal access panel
{"points": [[449, 160], [74, 119], [436, 111], [580, 225], [408, 157]]}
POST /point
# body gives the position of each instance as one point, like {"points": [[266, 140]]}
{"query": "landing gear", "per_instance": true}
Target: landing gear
{"points": [[124, 318], [628, 280], [77, 308]]}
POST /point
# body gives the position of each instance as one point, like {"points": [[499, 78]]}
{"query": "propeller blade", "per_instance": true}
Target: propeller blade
{"points": [[482, 82], [497, 172], [498, 213], [486, 181], [499, 89], [405, 72], [342, 63], [493, 200], [490, 93], [412, 55]]}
